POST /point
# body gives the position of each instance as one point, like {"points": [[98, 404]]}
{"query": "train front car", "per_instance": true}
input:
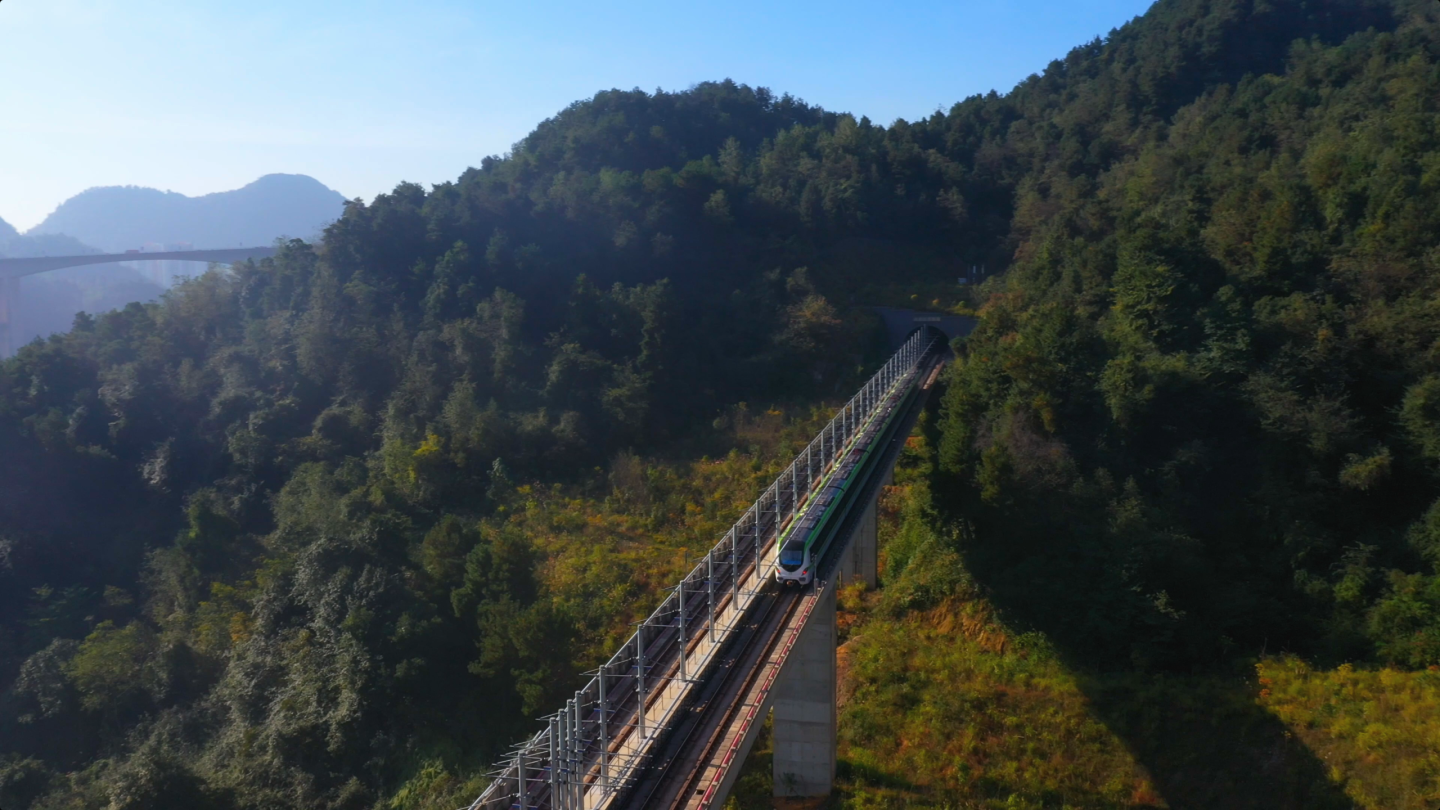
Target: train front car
{"points": [[796, 561], [795, 567]]}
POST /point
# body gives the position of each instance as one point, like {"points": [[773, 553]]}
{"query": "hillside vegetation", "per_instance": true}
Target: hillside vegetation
{"points": [[332, 529], [945, 703], [1197, 419]]}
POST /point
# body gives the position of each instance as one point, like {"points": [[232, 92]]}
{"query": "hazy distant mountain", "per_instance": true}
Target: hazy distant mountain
{"points": [[14, 245], [117, 218], [44, 244], [52, 299]]}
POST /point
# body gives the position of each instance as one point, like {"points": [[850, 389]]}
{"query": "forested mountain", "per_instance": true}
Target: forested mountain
{"points": [[1202, 398], [120, 218], [325, 531], [14, 245]]}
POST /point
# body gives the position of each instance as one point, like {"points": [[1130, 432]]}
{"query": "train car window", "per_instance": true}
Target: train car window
{"points": [[792, 555]]}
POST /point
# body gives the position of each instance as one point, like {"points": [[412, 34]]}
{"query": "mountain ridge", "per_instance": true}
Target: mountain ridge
{"points": [[117, 218]]}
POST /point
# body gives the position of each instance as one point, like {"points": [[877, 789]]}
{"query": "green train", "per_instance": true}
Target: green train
{"points": [[804, 543]]}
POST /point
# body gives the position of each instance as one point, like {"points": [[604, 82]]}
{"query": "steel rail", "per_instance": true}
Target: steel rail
{"points": [[753, 648]]}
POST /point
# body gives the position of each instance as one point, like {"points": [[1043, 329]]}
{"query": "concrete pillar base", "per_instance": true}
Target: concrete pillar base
{"points": [[9, 303], [860, 560], [804, 763]]}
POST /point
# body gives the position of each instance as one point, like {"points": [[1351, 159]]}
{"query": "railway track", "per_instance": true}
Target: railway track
{"points": [[671, 780]]}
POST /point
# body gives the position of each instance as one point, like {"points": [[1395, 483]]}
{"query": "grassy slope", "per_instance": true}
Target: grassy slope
{"points": [[943, 705], [1377, 730]]}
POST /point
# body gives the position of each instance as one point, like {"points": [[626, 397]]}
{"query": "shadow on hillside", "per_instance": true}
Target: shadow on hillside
{"points": [[1206, 744], [1196, 728], [1202, 737]]}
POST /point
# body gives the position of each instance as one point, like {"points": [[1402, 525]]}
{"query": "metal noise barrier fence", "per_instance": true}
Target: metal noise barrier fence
{"points": [[594, 746]]}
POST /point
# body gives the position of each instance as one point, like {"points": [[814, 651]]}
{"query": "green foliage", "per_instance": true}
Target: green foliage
{"points": [[21, 780], [433, 785], [923, 567], [159, 778], [937, 716], [944, 704], [1196, 417], [1375, 726], [112, 669], [1406, 620], [326, 530], [1420, 415]]}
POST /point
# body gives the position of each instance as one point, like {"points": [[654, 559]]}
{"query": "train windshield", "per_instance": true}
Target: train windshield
{"points": [[791, 556]]}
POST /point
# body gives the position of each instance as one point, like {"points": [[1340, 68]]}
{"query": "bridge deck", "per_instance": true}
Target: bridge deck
{"points": [[666, 706], [29, 266]]}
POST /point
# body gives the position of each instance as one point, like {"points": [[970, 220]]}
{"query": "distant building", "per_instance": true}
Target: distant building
{"points": [[164, 272]]}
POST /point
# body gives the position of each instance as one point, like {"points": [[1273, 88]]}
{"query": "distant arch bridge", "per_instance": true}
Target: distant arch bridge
{"points": [[12, 270]]}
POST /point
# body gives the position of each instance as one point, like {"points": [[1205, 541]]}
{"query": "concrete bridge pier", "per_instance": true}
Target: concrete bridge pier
{"points": [[804, 737], [860, 562], [804, 703], [9, 304]]}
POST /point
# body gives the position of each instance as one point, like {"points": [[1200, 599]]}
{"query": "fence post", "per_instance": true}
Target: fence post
{"points": [[756, 524], [554, 757], [565, 756], [734, 577], [578, 747], [640, 675], [520, 778], [604, 736], [683, 675]]}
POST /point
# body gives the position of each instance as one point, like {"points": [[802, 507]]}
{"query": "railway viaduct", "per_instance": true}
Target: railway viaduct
{"points": [[12, 270], [668, 721]]}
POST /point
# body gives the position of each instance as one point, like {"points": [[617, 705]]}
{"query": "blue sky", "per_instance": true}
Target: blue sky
{"points": [[205, 96]]}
